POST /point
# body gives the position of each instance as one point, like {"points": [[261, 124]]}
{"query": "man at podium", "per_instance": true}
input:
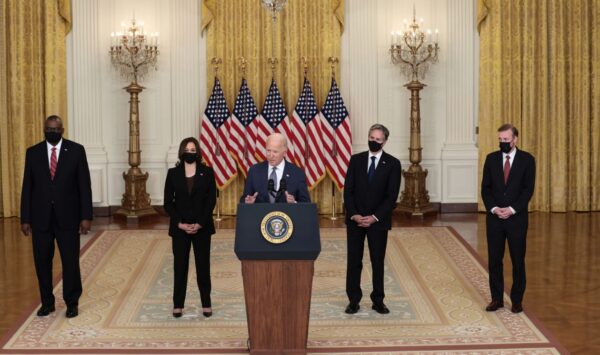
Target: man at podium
{"points": [[275, 180]]}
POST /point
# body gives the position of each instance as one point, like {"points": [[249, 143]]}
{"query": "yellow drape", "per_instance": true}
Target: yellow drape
{"points": [[33, 83], [305, 28], [540, 70]]}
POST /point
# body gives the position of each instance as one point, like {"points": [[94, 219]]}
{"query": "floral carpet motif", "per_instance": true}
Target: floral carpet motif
{"points": [[435, 288]]}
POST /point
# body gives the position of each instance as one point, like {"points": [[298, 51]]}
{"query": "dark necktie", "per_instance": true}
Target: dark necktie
{"points": [[371, 172], [506, 169], [273, 177]]}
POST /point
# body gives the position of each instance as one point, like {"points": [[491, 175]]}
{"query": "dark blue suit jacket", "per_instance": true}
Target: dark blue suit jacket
{"points": [[257, 181]]}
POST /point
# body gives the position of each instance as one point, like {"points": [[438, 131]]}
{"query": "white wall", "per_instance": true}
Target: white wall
{"points": [[374, 91], [173, 100]]}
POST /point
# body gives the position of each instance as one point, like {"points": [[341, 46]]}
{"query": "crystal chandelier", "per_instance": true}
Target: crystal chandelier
{"points": [[414, 49], [132, 52], [274, 6]]}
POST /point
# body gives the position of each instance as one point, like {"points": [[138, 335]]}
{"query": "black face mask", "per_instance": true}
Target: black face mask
{"points": [[189, 157], [53, 137], [505, 147], [375, 146]]}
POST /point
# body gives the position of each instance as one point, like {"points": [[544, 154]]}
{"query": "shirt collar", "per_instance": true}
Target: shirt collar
{"points": [[279, 166], [511, 154], [50, 146], [377, 155]]}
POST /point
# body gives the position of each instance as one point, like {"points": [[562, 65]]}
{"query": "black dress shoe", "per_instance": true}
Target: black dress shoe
{"points": [[72, 312], [45, 310], [177, 314], [207, 314], [494, 306], [352, 308], [517, 308], [380, 308]]}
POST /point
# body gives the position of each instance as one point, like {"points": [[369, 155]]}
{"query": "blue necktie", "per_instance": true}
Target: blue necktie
{"points": [[371, 172]]}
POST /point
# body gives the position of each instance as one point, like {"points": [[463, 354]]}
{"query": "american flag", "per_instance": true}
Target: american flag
{"points": [[337, 137], [243, 130], [214, 137], [277, 119], [307, 140]]}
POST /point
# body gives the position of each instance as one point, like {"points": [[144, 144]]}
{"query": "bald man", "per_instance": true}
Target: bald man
{"points": [[259, 189]]}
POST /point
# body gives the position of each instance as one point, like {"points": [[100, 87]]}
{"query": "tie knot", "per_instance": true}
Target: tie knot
{"points": [[373, 158], [507, 157], [54, 149]]}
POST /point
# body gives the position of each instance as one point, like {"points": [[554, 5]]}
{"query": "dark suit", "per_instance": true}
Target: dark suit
{"points": [[516, 193], [257, 181], [54, 208], [195, 207], [365, 198]]}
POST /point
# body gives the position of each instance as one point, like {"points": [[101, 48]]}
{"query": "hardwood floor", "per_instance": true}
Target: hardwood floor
{"points": [[563, 268]]}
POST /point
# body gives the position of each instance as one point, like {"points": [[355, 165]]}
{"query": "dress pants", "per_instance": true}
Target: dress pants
{"points": [[513, 230], [43, 253], [377, 240], [182, 243]]}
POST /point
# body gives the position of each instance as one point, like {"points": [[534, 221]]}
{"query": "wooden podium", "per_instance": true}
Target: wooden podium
{"points": [[277, 275]]}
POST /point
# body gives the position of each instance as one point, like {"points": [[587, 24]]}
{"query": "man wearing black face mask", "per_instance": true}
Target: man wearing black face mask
{"points": [[506, 188], [56, 204], [370, 193]]}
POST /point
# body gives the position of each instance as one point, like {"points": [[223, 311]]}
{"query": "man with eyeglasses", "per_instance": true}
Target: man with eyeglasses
{"points": [[56, 204]]}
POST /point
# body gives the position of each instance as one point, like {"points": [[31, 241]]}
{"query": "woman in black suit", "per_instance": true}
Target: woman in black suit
{"points": [[190, 197]]}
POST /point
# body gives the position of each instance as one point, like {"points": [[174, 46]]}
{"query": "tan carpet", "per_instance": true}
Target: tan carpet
{"points": [[435, 287]]}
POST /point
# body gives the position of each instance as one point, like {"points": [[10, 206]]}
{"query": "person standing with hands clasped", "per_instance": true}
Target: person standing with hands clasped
{"points": [[370, 193], [190, 198], [56, 204], [506, 188]]}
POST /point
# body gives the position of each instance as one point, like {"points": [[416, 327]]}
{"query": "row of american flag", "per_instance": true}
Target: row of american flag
{"points": [[319, 142]]}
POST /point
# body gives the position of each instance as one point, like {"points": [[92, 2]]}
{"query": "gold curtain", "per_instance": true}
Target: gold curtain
{"points": [[305, 28], [540, 70], [33, 83]]}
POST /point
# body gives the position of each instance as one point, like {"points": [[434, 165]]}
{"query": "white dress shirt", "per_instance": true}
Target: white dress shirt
{"points": [[49, 148]]}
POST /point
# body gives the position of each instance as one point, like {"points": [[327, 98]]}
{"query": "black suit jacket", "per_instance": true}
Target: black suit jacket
{"points": [[196, 207], [70, 193], [257, 181], [517, 192], [377, 197]]}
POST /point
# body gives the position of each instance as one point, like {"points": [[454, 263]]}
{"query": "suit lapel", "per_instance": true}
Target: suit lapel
{"points": [[381, 166], [64, 151], [44, 158], [197, 178], [263, 180], [515, 165]]}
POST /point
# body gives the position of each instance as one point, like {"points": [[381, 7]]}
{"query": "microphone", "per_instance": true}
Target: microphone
{"points": [[271, 185], [282, 186]]}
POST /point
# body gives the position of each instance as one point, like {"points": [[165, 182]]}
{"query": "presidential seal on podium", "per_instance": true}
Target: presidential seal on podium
{"points": [[276, 227]]}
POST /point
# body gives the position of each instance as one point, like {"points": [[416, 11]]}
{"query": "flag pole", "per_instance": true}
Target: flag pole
{"points": [[333, 216], [218, 218], [333, 61], [216, 61]]}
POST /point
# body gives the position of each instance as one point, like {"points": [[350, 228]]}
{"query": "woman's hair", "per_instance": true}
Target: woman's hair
{"points": [[184, 144]]}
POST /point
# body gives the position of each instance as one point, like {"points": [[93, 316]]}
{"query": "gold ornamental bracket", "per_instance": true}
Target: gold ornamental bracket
{"points": [[333, 61], [243, 66], [273, 62], [216, 62], [304, 62]]}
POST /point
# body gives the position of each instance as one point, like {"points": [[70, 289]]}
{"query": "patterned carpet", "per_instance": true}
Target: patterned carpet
{"points": [[435, 288]]}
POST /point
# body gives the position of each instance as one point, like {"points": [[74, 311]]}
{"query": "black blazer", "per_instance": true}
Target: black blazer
{"points": [[258, 181], [377, 197], [519, 189], [70, 193], [196, 207]]}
